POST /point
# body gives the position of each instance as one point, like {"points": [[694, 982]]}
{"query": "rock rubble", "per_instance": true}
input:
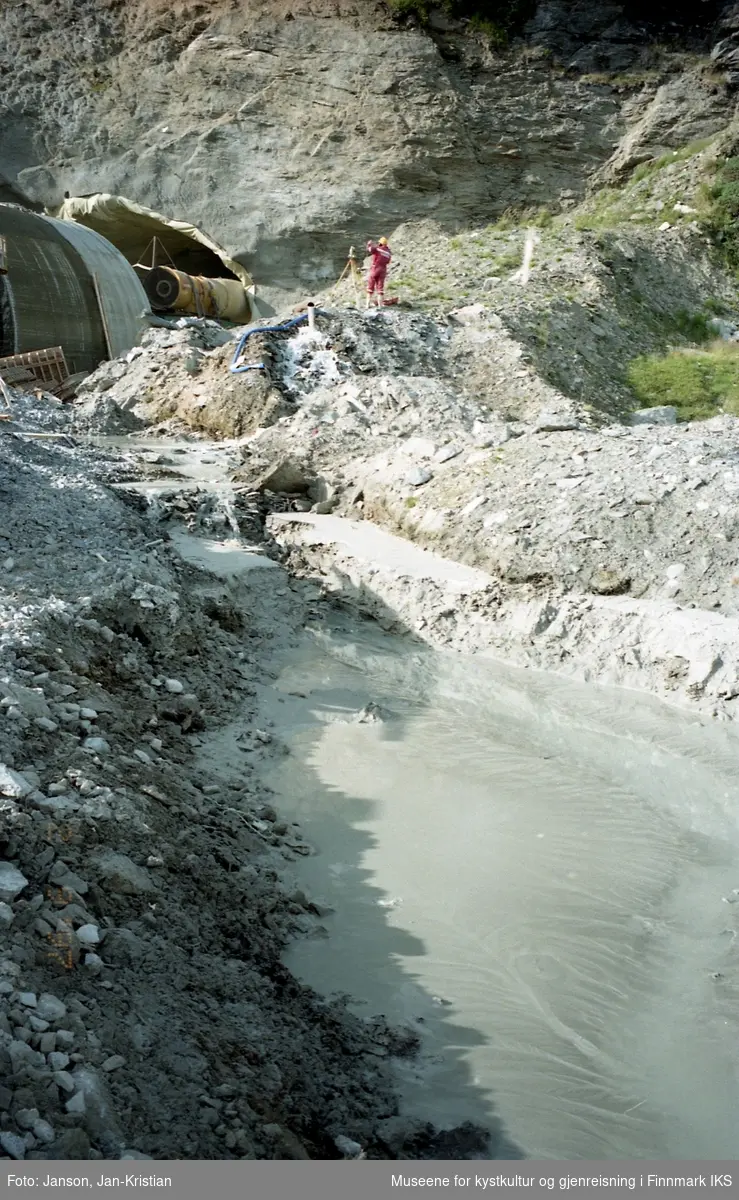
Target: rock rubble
{"points": [[556, 509], [144, 1010]]}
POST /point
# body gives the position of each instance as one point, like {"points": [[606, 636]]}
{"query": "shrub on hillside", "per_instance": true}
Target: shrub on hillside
{"points": [[721, 221], [693, 326], [699, 383]]}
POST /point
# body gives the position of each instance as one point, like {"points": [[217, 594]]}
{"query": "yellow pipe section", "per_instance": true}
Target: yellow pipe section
{"points": [[222, 299]]}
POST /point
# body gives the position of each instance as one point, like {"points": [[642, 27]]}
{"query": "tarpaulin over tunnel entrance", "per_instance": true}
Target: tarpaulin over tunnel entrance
{"points": [[133, 228]]}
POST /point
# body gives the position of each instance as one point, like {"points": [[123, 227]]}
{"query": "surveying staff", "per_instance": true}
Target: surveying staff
{"points": [[381, 256]]}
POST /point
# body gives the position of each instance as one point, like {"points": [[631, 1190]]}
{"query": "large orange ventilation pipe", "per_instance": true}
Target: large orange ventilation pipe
{"points": [[223, 299]]}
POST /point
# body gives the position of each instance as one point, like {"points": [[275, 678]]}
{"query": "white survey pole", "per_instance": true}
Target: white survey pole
{"points": [[528, 254]]}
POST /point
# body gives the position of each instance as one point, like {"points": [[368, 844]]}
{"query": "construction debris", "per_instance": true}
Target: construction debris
{"points": [[5, 394], [68, 389], [45, 366]]}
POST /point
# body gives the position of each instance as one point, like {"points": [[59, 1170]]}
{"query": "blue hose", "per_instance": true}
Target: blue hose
{"points": [[236, 370]]}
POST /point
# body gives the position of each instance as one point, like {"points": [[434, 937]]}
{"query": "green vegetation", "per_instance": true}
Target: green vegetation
{"points": [[518, 218], [645, 199], [495, 34], [716, 308], [542, 332], [410, 8], [699, 383], [722, 212], [672, 156], [693, 326], [497, 20], [611, 207], [509, 261]]}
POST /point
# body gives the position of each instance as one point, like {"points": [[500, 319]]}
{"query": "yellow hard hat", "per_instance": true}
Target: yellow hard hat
{"points": [[383, 242]]}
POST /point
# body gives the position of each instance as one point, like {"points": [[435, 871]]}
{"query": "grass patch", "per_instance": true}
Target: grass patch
{"points": [[722, 212], [508, 262], [409, 283], [698, 383], [604, 212], [517, 218], [541, 333], [624, 79], [672, 156]]}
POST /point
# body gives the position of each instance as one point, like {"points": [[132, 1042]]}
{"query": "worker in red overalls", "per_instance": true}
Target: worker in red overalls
{"points": [[381, 256]]}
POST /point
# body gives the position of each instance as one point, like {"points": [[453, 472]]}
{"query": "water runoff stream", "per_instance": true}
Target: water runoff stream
{"points": [[540, 877]]}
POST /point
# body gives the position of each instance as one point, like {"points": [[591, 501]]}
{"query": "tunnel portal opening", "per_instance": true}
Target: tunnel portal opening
{"points": [[181, 268]]}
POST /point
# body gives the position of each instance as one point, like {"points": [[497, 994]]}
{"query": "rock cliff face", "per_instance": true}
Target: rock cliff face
{"points": [[616, 37], [287, 133]]}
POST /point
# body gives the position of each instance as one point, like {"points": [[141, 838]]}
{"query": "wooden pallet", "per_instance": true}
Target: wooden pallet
{"points": [[68, 389], [16, 375], [47, 367]]}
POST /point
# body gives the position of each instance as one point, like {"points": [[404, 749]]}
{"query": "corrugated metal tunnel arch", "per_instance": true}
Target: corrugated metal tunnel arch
{"points": [[56, 271]]}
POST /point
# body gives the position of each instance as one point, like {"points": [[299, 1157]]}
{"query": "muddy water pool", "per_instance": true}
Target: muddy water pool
{"points": [[540, 877]]}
